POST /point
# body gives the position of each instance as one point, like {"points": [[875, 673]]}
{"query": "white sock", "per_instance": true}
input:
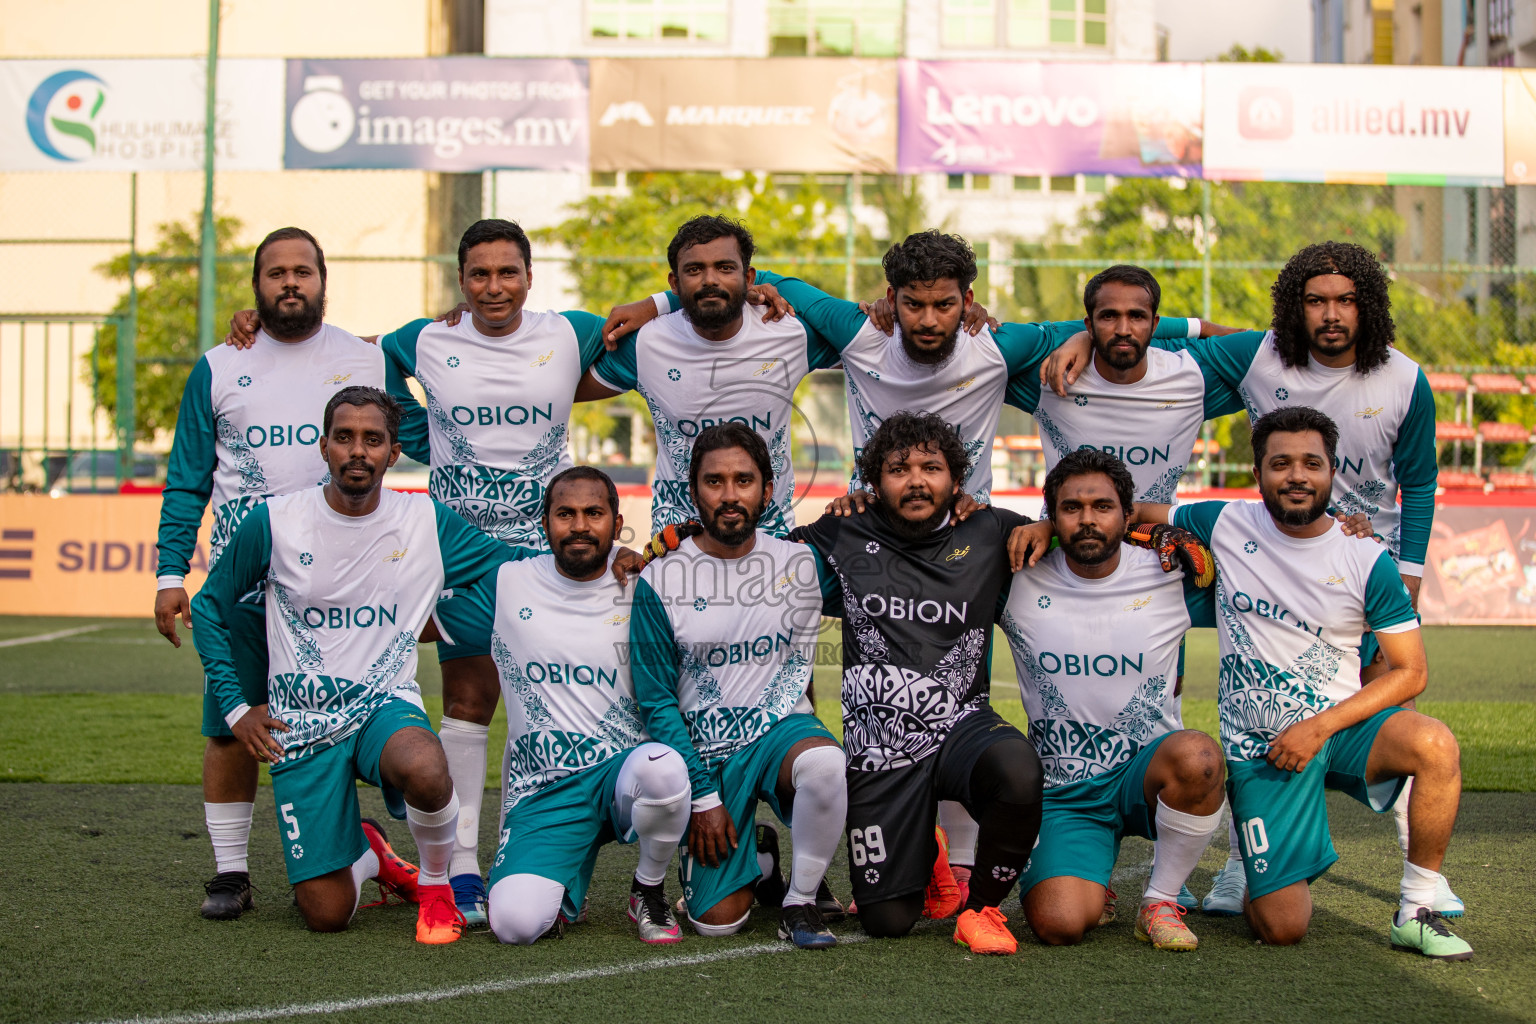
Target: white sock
{"points": [[464, 745], [1418, 890], [433, 832], [819, 777], [962, 830], [1181, 839], [652, 798], [229, 829], [1234, 850], [1400, 814], [364, 868]]}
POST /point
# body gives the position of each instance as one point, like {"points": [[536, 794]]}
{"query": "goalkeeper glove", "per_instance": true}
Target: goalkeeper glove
{"points": [[1175, 546], [668, 540]]}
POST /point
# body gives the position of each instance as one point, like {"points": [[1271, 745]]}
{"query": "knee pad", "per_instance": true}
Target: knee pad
{"points": [[523, 907], [652, 772], [819, 763]]}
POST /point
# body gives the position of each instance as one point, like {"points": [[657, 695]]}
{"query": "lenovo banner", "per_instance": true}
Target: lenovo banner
{"points": [[138, 115], [437, 114], [1361, 124], [1026, 117], [780, 114]]}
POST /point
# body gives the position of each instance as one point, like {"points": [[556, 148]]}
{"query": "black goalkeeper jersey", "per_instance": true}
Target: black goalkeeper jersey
{"points": [[917, 627]]}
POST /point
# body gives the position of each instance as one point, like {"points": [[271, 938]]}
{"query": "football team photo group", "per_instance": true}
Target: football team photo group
{"points": [[657, 683]]}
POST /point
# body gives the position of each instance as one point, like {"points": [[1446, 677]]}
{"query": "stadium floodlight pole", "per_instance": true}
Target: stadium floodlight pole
{"points": [[208, 242]]}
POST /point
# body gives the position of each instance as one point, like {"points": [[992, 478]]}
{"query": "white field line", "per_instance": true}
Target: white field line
{"points": [[45, 637], [437, 995]]}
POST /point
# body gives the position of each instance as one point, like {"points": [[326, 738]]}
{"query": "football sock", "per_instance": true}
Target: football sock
{"points": [[1181, 839], [1234, 849], [652, 795], [961, 828], [364, 868], [1418, 890], [716, 931], [1400, 815], [229, 829], [433, 832], [819, 776], [1006, 787], [464, 745], [523, 907]]}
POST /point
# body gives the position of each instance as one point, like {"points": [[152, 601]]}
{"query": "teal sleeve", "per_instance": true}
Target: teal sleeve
{"points": [[399, 363], [475, 612], [244, 563], [1226, 359], [1417, 472], [589, 335], [654, 666], [837, 321], [616, 369], [1171, 327], [467, 553], [188, 474], [1200, 602], [1386, 599], [1025, 346], [1199, 518]]}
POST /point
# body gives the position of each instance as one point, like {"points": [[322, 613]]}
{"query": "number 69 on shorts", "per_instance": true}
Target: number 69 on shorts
{"points": [[867, 845]]}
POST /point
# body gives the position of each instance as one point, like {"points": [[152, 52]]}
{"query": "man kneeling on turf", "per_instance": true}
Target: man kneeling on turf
{"points": [[1294, 594], [579, 771], [351, 573], [1095, 629], [722, 640]]}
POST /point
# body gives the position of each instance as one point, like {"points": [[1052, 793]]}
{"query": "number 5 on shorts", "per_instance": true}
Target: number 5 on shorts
{"points": [[287, 812], [867, 845]]}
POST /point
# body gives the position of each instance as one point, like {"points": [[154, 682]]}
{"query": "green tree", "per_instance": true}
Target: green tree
{"points": [[166, 341], [1258, 55]]}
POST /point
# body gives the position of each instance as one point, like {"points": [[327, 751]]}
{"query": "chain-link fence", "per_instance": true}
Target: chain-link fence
{"points": [[115, 272]]}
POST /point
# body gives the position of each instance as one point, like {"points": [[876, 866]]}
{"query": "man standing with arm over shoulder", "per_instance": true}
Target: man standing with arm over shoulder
{"points": [[248, 429]]}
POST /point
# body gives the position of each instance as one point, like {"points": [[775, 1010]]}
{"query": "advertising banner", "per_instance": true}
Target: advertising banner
{"points": [[138, 115], [1359, 124], [776, 114], [1519, 127], [437, 114], [1481, 568], [1026, 117]]}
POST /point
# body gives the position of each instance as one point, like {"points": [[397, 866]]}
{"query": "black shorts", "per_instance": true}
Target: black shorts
{"points": [[891, 814]]}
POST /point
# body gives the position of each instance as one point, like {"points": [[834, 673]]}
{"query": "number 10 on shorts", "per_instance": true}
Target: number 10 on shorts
{"points": [[1253, 836], [867, 845]]}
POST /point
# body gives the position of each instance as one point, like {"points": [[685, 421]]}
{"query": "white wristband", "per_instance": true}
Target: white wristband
{"points": [[235, 715], [663, 307], [1194, 327], [707, 802], [170, 583], [1409, 569]]}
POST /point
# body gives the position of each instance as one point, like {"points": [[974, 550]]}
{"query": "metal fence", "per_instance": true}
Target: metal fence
{"points": [[83, 396]]}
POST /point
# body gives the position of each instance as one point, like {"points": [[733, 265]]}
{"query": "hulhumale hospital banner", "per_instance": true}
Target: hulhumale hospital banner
{"points": [[1367, 125], [1133, 120], [440, 114], [779, 114], [138, 115], [1520, 127]]}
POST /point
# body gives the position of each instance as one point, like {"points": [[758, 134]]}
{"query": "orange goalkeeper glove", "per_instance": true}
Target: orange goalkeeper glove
{"points": [[668, 539], [1175, 547]]}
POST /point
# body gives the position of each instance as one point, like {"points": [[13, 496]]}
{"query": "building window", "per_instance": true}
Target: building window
{"points": [[1094, 184], [1026, 183], [702, 21], [834, 28], [981, 182], [1063, 183], [605, 179], [955, 182], [1025, 24]]}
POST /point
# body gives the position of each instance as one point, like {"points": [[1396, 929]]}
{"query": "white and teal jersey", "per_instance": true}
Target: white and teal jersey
{"points": [[1098, 660], [498, 411], [691, 383], [721, 649], [345, 598], [1290, 614], [249, 428], [1150, 425], [1386, 421], [966, 389], [561, 648]]}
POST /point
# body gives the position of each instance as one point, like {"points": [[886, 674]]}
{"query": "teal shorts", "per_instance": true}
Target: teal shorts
{"points": [[1082, 823], [248, 645], [316, 796], [1282, 818], [461, 618], [747, 776], [556, 832]]}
